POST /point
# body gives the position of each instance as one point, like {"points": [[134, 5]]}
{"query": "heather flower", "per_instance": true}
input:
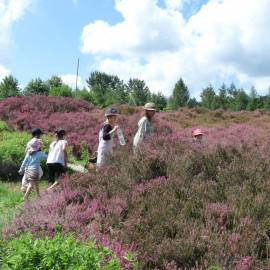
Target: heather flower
{"points": [[245, 263]]}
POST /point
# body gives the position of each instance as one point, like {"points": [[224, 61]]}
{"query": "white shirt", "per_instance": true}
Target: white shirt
{"points": [[145, 128], [56, 152]]}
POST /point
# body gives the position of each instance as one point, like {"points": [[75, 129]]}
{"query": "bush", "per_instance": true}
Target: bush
{"points": [[84, 95], [61, 91], [60, 252], [12, 152], [3, 126], [182, 208]]}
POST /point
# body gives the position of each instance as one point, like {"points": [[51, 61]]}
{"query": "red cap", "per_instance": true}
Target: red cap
{"points": [[197, 132]]}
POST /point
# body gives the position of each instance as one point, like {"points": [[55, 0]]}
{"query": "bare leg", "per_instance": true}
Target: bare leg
{"points": [[56, 183], [37, 188], [28, 191]]}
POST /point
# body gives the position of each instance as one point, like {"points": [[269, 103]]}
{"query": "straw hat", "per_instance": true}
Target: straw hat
{"points": [[150, 106]]}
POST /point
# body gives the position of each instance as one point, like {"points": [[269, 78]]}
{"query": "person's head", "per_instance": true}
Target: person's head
{"points": [[150, 110], [60, 133], [111, 115], [197, 134], [35, 145], [36, 132]]}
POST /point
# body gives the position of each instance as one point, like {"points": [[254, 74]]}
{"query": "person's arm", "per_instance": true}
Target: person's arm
{"points": [[108, 131], [65, 154], [25, 161], [143, 128], [44, 155]]}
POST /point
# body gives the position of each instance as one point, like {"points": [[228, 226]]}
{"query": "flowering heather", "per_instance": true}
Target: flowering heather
{"points": [[79, 118], [177, 204]]}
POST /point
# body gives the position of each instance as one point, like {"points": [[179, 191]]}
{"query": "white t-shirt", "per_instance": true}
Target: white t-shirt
{"points": [[56, 152]]}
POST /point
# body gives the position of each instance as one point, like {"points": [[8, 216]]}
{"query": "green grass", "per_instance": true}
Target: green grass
{"points": [[10, 200]]}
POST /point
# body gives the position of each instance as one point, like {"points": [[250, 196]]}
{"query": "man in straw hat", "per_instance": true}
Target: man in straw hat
{"points": [[145, 125]]}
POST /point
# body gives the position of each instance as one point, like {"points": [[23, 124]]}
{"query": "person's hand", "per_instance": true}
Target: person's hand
{"points": [[115, 127]]}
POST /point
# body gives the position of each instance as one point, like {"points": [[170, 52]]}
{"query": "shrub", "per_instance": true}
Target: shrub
{"points": [[60, 252], [3, 126], [12, 152], [61, 91], [177, 209]]}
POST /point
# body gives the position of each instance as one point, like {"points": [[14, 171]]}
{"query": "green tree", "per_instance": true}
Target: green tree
{"points": [[37, 86], [116, 93], [222, 98], [209, 98], [138, 92], [160, 101], [267, 100], [54, 82], [192, 103], [106, 89], [61, 91], [242, 100], [255, 101], [238, 99], [9, 87], [84, 94], [180, 96]]}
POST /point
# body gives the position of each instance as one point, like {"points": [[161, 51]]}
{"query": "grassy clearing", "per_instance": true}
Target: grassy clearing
{"points": [[10, 199]]}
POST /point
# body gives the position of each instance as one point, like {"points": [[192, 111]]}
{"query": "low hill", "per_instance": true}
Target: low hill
{"points": [[177, 203]]}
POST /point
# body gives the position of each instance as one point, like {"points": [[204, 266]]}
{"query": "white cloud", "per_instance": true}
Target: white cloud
{"points": [[146, 29], [3, 72], [70, 80], [225, 39], [175, 4], [10, 12]]}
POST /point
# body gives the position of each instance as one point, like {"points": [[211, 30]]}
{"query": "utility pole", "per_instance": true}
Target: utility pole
{"points": [[77, 74]]}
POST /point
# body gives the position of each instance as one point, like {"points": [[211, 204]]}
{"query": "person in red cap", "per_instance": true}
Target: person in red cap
{"points": [[197, 135]]}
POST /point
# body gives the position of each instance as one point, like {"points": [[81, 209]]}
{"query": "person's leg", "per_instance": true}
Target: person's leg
{"points": [[51, 172], [28, 191], [24, 184], [59, 171], [37, 188]]}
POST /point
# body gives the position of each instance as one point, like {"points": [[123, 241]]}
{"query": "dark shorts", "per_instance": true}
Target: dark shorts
{"points": [[55, 170]]}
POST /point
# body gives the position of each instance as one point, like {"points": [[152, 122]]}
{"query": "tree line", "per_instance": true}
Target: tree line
{"points": [[103, 90]]}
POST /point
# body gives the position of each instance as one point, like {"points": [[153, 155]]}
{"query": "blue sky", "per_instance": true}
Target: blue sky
{"points": [[47, 39], [159, 41]]}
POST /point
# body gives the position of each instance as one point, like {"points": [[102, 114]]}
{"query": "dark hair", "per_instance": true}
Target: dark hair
{"points": [[36, 132], [60, 132]]}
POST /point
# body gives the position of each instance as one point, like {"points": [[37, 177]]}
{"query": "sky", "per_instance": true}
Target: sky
{"points": [[159, 41]]}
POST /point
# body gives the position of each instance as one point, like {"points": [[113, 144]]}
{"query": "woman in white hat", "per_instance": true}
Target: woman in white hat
{"points": [[145, 125], [106, 133]]}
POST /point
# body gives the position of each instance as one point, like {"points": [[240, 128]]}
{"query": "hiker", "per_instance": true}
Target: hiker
{"points": [[36, 134], [145, 125], [106, 134], [30, 167], [57, 158], [197, 135]]}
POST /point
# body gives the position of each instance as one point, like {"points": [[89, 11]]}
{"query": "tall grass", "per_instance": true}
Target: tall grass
{"points": [[10, 200]]}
